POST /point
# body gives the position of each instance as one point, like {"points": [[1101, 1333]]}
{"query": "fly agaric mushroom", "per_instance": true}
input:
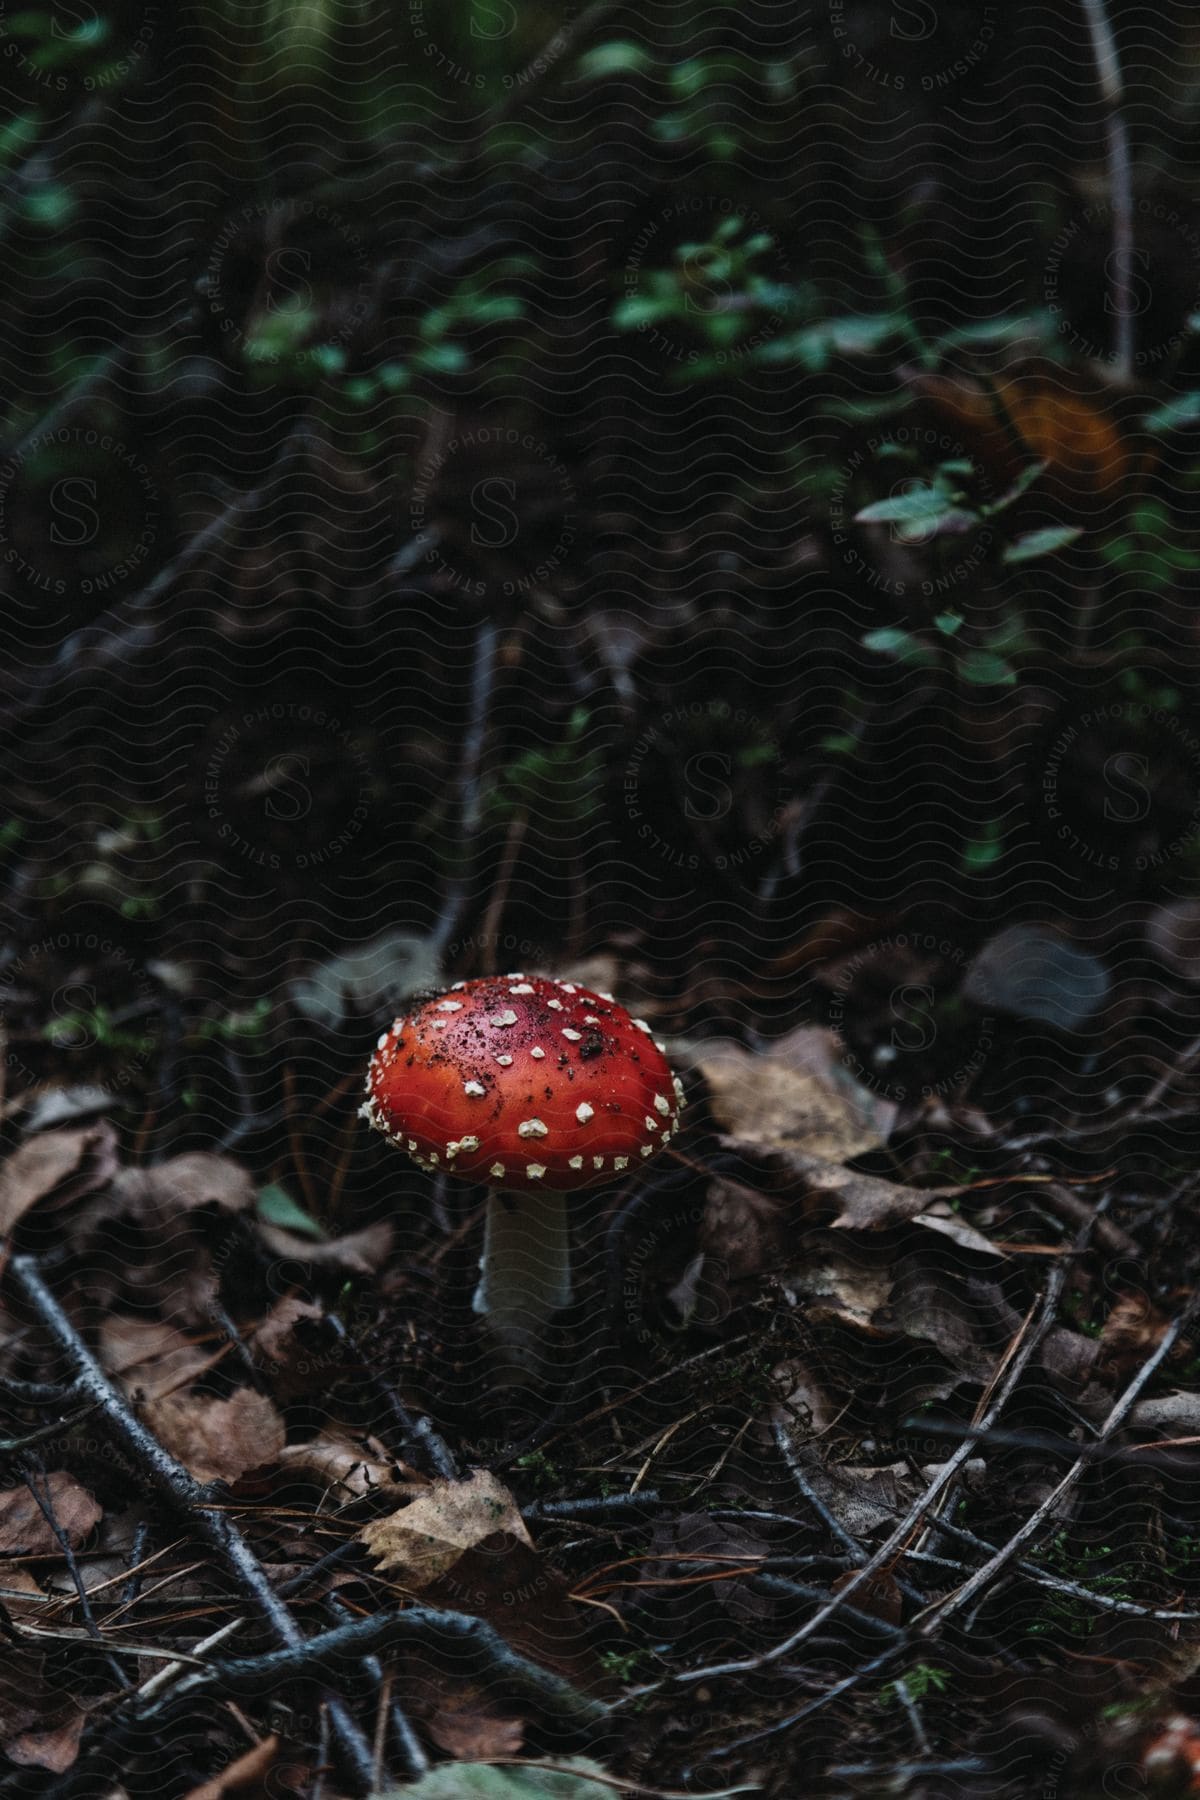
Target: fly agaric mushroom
{"points": [[538, 1088]]}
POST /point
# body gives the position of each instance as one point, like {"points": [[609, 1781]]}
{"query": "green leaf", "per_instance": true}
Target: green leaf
{"points": [[1041, 543], [890, 640], [442, 359], [621, 57], [275, 1206], [948, 623], [983, 668], [1021, 485], [572, 1780], [1183, 411]]}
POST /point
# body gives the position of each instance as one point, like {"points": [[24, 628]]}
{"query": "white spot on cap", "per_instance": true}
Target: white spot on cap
{"points": [[605, 996], [504, 1018], [575, 1162], [382, 1044], [537, 1053], [474, 1088], [584, 1112], [515, 975], [620, 1162], [555, 1005], [440, 1024], [524, 988], [597, 1162], [574, 1036], [662, 1105], [450, 1005], [651, 1124], [659, 1045], [412, 1146], [497, 1169], [466, 1143], [532, 1128], [647, 1149], [678, 1086], [642, 1026], [534, 1171], [568, 987], [590, 1019], [456, 987], [504, 1061]]}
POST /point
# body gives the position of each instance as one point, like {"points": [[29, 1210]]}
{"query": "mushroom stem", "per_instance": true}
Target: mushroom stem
{"points": [[525, 1271]]}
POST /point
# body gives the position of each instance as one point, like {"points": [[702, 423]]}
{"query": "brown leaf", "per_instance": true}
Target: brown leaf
{"points": [[148, 1355], [24, 1696], [217, 1440], [466, 1725], [359, 1253], [350, 1467], [41, 1167], [201, 1178], [25, 1531], [54, 1747], [778, 1105], [855, 1202], [428, 1537], [242, 1776]]}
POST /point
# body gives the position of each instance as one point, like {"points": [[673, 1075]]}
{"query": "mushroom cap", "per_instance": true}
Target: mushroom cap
{"points": [[523, 1082]]}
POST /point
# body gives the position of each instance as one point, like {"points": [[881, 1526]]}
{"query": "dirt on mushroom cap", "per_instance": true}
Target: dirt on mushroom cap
{"points": [[525, 1082]]}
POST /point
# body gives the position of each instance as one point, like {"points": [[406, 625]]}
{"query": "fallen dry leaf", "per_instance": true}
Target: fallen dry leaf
{"points": [[201, 1178], [461, 1721], [148, 1355], [358, 1253], [60, 1163], [777, 1105], [53, 1747], [428, 1537], [24, 1529], [853, 1201], [349, 1466], [217, 1440], [241, 1776]]}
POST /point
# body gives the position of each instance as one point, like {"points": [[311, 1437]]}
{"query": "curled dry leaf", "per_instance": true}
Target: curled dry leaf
{"points": [[358, 1253], [61, 1164], [425, 1539], [217, 1440], [349, 1467], [24, 1529]]}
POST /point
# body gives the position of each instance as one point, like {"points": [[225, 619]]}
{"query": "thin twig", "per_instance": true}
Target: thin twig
{"points": [[1120, 180], [185, 1496], [935, 1616]]}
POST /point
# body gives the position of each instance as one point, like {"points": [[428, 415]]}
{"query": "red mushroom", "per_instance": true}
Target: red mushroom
{"points": [[538, 1088]]}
